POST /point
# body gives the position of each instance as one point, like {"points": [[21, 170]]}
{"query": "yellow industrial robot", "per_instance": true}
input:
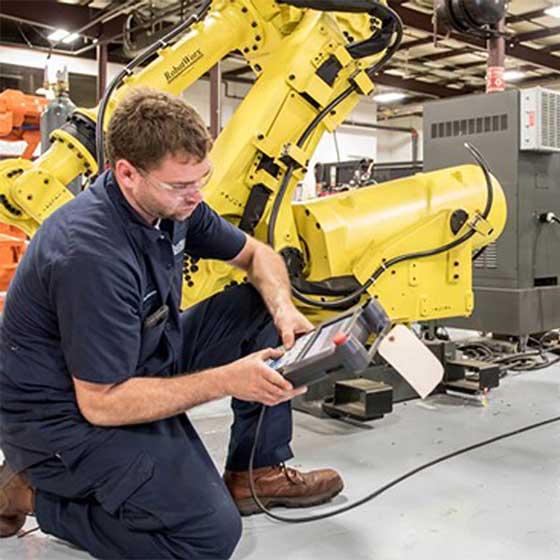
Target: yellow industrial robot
{"points": [[408, 243]]}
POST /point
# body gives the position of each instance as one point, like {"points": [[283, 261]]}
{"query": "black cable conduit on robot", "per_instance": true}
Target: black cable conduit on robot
{"points": [[391, 26]]}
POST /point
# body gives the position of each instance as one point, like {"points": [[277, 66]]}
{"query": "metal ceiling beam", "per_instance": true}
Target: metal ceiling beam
{"points": [[54, 14], [523, 68], [418, 86], [422, 21], [417, 43], [467, 65], [50, 12], [536, 35], [442, 55], [527, 16], [552, 48]]}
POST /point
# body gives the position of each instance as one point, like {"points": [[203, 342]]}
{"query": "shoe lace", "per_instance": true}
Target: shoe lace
{"points": [[293, 475]]}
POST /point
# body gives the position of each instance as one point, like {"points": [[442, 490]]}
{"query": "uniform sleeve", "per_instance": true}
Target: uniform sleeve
{"points": [[97, 306], [211, 237]]}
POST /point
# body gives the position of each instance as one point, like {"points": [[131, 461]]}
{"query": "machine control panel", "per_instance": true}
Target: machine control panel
{"points": [[334, 345]]}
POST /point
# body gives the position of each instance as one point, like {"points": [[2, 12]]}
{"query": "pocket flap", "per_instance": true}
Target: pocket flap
{"points": [[112, 494]]}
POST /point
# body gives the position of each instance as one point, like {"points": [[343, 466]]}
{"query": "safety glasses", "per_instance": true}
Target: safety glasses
{"points": [[178, 187]]}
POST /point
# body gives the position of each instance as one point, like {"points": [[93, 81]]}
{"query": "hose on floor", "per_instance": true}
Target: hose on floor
{"points": [[384, 488]]}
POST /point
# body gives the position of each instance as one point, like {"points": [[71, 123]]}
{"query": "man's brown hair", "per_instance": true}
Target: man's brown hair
{"points": [[148, 125]]}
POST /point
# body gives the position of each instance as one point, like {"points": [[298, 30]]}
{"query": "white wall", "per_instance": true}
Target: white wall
{"points": [[397, 146], [38, 59]]}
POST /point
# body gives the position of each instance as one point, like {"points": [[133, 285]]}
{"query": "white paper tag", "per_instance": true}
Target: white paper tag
{"points": [[410, 357]]}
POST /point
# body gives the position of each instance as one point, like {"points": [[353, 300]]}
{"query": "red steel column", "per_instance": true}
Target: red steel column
{"points": [[496, 61]]}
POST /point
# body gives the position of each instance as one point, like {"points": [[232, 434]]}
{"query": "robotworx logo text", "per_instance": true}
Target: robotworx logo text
{"points": [[186, 63]]}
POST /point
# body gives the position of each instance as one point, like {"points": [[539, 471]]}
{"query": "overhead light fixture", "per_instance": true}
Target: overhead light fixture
{"points": [[63, 35], [58, 35], [389, 97], [513, 75], [71, 38], [553, 11]]}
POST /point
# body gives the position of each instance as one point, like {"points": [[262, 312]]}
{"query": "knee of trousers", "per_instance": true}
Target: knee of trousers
{"points": [[230, 529], [214, 539]]}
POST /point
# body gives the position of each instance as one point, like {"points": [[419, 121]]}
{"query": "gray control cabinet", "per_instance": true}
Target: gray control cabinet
{"points": [[516, 281]]}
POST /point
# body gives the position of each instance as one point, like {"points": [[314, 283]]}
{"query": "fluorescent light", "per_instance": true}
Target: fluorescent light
{"points": [[553, 11], [63, 35], [389, 97], [58, 35], [513, 75], [70, 38]]}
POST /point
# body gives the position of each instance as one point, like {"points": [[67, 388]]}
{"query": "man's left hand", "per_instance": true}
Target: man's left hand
{"points": [[289, 323]]}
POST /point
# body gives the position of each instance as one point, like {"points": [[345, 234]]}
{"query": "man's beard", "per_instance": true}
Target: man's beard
{"points": [[179, 213]]}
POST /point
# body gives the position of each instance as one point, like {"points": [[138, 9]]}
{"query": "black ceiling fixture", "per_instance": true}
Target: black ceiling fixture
{"points": [[478, 17]]}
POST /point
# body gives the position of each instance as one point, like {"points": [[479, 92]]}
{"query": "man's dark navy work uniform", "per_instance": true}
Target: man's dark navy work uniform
{"points": [[87, 301]]}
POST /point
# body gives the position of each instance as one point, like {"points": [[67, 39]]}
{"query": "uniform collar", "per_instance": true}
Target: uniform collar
{"points": [[144, 231]]}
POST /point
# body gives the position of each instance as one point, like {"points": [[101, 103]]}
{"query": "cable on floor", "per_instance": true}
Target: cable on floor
{"points": [[384, 488]]}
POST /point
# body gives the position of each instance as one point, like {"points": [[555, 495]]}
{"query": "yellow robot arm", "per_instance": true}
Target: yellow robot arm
{"points": [[313, 59], [260, 29]]}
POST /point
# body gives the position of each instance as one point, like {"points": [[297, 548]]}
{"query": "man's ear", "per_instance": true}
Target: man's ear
{"points": [[127, 175]]}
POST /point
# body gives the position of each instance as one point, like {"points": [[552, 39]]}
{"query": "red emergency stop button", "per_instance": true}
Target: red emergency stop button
{"points": [[339, 338]]}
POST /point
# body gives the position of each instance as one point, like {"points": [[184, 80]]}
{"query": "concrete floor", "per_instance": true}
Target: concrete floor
{"points": [[499, 502]]}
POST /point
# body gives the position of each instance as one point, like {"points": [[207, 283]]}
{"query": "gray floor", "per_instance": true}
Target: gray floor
{"points": [[500, 502]]}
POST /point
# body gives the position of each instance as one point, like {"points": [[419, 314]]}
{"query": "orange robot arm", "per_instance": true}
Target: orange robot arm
{"points": [[20, 118]]}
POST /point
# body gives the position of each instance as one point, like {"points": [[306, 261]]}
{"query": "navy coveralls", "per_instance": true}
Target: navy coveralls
{"points": [[77, 306]]}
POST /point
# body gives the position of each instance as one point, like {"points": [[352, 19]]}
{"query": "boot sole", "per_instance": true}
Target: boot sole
{"points": [[248, 506], [10, 525]]}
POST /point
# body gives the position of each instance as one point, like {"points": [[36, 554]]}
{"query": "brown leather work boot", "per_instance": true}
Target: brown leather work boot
{"points": [[16, 501], [282, 486]]}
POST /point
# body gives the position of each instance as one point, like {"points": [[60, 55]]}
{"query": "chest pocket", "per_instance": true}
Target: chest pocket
{"points": [[154, 319], [150, 302]]}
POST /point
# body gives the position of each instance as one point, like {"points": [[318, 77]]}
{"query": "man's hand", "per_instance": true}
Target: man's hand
{"points": [[267, 271], [250, 379], [290, 322]]}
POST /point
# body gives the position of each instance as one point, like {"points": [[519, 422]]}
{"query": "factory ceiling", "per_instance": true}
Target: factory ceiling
{"points": [[427, 65]]}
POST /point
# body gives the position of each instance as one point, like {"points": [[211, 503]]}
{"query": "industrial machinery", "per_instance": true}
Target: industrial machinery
{"points": [[516, 279], [476, 17], [340, 176], [408, 243], [20, 117], [55, 115]]}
